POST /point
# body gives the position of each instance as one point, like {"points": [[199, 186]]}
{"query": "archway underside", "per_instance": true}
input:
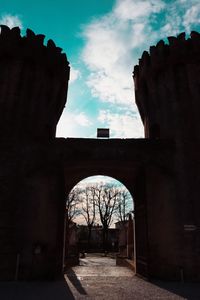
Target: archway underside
{"points": [[51, 171], [129, 161]]}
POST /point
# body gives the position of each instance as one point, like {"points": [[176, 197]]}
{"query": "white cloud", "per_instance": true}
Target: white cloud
{"points": [[125, 125], [98, 179], [192, 16], [113, 44], [181, 15], [66, 126], [110, 43], [82, 120], [71, 124], [130, 10], [115, 41], [11, 21], [74, 74], [109, 90]]}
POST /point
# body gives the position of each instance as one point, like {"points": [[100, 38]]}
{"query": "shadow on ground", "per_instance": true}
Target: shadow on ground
{"points": [[71, 275], [37, 290], [189, 291]]}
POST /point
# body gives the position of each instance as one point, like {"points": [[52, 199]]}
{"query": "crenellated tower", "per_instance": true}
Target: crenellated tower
{"points": [[167, 88], [33, 85], [33, 92]]}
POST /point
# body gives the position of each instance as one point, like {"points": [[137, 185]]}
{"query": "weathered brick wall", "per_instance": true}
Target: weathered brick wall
{"points": [[33, 85], [33, 90], [167, 89]]}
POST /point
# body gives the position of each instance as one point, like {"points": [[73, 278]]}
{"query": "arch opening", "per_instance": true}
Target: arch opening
{"points": [[99, 218]]}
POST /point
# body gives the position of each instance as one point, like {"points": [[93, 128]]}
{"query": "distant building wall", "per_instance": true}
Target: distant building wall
{"points": [[96, 242], [126, 237]]}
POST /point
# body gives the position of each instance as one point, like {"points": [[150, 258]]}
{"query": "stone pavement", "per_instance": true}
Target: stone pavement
{"points": [[98, 278]]}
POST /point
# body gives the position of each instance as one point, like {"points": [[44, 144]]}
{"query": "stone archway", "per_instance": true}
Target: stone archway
{"points": [[90, 172], [88, 159], [85, 225], [49, 170]]}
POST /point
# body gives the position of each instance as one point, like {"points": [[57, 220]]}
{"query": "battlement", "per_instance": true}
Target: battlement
{"points": [[33, 85], [167, 82], [178, 50], [31, 46]]}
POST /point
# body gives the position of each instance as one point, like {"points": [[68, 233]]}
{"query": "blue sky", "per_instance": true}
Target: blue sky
{"points": [[103, 40]]}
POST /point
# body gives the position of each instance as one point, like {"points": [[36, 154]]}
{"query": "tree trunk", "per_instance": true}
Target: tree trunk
{"points": [[105, 239], [89, 237]]}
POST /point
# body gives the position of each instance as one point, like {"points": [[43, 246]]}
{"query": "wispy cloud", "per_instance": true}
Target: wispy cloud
{"points": [[110, 43], [115, 41], [131, 10], [11, 21], [180, 15], [126, 125], [192, 16], [74, 74], [99, 179], [82, 120], [71, 124]]}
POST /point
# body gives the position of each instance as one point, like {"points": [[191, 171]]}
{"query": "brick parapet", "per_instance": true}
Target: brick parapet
{"points": [[178, 50], [31, 47], [166, 85], [33, 85]]}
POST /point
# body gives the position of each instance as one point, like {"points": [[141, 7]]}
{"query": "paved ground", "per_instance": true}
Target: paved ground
{"points": [[98, 278]]}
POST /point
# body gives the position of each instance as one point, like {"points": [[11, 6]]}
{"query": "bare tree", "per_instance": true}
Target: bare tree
{"points": [[72, 210], [123, 206], [73, 204], [88, 208], [99, 202], [106, 196]]}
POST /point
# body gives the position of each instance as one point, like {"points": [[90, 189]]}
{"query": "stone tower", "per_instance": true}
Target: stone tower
{"points": [[167, 89], [33, 85], [33, 91]]}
